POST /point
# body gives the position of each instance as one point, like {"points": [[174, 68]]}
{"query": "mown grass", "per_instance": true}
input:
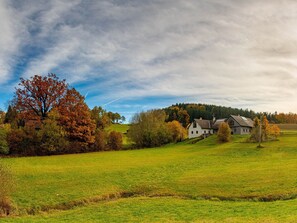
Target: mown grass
{"points": [[198, 177]]}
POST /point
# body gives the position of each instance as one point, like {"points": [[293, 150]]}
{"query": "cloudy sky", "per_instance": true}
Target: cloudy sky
{"points": [[130, 56]]}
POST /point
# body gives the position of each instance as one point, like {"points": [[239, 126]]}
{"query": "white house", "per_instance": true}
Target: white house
{"points": [[200, 127], [239, 125]]}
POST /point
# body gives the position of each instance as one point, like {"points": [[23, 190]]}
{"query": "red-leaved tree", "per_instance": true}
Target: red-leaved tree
{"points": [[38, 95]]}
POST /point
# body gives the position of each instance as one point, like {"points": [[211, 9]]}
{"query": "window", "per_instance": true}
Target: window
{"points": [[194, 125], [204, 131], [209, 131], [196, 132], [191, 132]]}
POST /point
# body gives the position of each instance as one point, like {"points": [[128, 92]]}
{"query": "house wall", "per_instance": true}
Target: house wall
{"points": [[198, 131], [237, 129]]}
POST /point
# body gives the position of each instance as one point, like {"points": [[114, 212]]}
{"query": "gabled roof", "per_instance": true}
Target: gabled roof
{"points": [[217, 123], [243, 121], [204, 124]]}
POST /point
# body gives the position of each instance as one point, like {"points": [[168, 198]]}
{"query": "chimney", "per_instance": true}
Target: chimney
{"points": [[200, 118]]}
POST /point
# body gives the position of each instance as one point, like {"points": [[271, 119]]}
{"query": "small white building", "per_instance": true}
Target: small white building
{"points": [[239, 125], [200, 127]]}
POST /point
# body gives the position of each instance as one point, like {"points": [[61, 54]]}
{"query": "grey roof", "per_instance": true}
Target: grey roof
{"points": [[204, 124], [217, 123], [243, 121]]}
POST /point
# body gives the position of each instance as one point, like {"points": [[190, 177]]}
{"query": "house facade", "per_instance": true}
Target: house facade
{"points": [[200, 127], [239, 125]]}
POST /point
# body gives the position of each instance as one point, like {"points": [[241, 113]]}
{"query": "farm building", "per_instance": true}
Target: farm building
{"points": [[200, 127], [239, 125]]}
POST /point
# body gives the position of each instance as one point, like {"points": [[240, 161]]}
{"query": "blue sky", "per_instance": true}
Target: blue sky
{"points": [[130, 56]]}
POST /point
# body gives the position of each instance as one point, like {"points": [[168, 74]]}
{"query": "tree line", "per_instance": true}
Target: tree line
{"points": [[187, 112], [47, 116]]}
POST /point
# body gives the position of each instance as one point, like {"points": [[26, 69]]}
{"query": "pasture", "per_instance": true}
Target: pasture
{"points": [[184, 182]]}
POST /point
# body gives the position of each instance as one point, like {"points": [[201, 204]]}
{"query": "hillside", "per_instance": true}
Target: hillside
{"points": [[182, 182]]}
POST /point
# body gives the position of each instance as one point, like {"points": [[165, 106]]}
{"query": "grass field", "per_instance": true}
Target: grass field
{"points": [[185, 182]]}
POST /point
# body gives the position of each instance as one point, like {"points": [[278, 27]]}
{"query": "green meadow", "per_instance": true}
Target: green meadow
{"points": [[184, 182]]}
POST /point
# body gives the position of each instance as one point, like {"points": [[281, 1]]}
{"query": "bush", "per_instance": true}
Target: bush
{"points": [[6, 188], [53, 140], [224, 132], [100, 140], [115, 140]]}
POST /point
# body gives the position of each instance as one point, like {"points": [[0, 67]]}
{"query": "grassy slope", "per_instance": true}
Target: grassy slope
{"points": [[122, 128], [234, 170]]}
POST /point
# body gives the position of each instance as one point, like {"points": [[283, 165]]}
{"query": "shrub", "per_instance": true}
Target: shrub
{"points": [[224, 132], [53, 140], [115, 140], [100, 140]]}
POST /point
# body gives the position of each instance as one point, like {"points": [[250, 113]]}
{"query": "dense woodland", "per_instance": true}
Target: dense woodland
{"points": [[186, 113]]}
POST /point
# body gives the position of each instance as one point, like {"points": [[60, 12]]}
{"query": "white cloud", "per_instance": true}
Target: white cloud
{"points": [[237, 53]]}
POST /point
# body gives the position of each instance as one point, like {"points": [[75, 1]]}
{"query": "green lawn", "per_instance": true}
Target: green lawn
{"points": [[205, 181]]}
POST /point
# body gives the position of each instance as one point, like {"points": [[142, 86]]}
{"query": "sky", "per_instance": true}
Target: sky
{"points": [[131, 56]]}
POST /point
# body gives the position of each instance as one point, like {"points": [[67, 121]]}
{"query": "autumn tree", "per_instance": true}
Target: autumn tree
{"points": [[177, 131], [115, 140], [274, 131], [100, 143], [36, 96], [264, 129], [75, 118], [224, 132], [149, 129]]}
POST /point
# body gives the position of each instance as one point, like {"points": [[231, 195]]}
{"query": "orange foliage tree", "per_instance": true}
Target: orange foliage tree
{"points": [[75, 117], [35, 100]]}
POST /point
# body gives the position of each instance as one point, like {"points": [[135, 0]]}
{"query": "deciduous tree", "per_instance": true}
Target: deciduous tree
{"points": [[224, 132], [177, 131], [38, 95], [149, 129], [75, 117]]}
